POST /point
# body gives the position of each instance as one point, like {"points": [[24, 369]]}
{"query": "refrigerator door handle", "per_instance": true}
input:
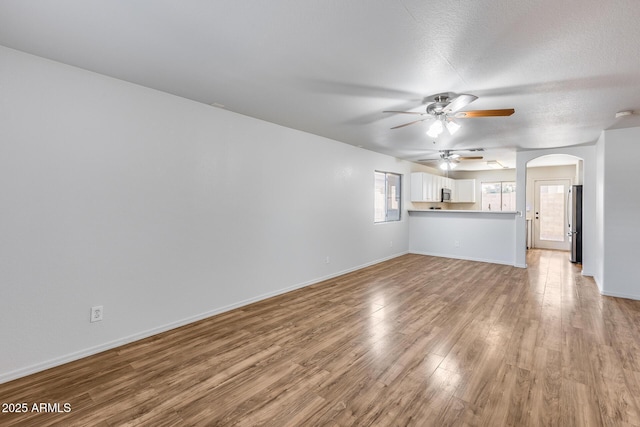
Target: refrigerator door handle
{"points": [[567, 207]]}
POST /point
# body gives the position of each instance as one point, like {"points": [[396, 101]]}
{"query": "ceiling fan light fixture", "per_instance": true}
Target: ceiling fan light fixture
{"points": [[443, 108], [494, 164], [452, 127], [435, 129], [447, 165]]}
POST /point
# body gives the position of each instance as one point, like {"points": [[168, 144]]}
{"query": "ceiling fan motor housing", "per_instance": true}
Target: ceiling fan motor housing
{"points": [[436, 107]]}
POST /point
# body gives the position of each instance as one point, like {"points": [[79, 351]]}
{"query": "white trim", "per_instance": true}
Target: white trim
{"points": [[597, 280], [490, 261], [38, 367], [620, 295]]}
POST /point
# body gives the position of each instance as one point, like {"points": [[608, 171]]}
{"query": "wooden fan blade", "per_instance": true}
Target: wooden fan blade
{"points": [[471, 158], [484, 113], [407, 124], [404, 112], [459, 102]]}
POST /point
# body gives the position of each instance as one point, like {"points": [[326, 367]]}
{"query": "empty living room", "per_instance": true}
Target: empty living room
{"points": [[383, 213]]}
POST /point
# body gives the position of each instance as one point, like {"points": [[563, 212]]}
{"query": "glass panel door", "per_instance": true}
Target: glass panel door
{"points": [[550, 217]]}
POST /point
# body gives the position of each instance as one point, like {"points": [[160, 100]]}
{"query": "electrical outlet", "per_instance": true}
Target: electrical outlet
{"points": [[96, 313], [456, 243], [326, 261]]}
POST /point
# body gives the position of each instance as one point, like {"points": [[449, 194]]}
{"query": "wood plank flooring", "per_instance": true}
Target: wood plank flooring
{"points": [[413, 341]]}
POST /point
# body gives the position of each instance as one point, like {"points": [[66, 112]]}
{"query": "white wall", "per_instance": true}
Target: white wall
{"points": [[476, 236], [620, 196], [161, 209]]}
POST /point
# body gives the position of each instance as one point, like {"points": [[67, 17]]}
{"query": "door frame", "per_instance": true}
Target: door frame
{"points": [[565, 245]]}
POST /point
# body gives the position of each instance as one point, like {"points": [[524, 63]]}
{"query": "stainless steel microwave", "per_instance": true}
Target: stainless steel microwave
{"points": [[446, 195]]}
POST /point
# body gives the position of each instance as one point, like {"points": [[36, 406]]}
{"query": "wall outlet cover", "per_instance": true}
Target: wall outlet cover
{"points": [[96, 313]]}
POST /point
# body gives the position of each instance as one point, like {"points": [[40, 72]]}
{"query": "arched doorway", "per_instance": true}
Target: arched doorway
{"points": [[585, 175], [552, 188]]}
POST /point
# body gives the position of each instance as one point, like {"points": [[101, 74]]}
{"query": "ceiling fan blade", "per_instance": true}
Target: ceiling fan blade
{"points": [[484, 113], [404, 112], [427, 160], [471, 158], [410, 123], [459, 102]]}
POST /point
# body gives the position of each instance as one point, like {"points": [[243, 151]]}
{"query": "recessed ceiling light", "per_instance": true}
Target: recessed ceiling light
{"points": [[494, 164], [623, 113]]}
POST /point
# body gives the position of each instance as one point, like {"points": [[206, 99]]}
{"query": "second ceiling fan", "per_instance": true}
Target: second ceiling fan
{"points": [[448, 159], [444, 109]]}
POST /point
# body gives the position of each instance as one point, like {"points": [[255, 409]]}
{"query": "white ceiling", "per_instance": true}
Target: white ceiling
{"points": [[331, 67]]}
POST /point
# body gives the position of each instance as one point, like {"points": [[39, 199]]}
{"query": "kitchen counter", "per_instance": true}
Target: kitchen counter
{"points": [[463, 211], [487, 236]]}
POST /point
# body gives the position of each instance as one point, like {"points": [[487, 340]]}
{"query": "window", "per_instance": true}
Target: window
{"points": [[387, 197], [499, 196]]}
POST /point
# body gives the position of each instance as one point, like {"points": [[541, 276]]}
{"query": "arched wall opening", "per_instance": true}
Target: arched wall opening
{"points": [[547, 213], [585, 175]]}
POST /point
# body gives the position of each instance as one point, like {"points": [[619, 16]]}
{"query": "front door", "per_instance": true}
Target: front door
{"points": [[550, 216]]}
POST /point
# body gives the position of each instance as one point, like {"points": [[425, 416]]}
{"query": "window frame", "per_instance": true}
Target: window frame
{"points": [[502, 192], [387, 197]]}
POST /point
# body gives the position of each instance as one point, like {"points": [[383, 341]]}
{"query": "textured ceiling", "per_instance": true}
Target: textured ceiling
{"points": [[331, 67]]}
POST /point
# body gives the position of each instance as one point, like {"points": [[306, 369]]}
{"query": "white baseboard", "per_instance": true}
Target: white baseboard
{"points": [[598, 282], [38, 367], [607, 293], [619, 295], [487, 260]]}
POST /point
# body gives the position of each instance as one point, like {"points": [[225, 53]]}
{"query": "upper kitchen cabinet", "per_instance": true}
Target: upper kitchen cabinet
{"points": [[424, 187], [464, 191]]}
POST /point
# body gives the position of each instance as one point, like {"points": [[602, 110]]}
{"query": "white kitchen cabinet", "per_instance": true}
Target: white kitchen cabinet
{"points": [[465, 191], [438, 182], [447, 183], [424, 187], [418, 189], [427, 188]]}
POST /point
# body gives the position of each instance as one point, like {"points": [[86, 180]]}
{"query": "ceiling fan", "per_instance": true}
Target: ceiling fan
{"points": [[449, 159], [444, 109]]}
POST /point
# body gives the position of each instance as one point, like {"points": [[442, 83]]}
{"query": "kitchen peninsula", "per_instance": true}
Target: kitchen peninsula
{"points": [[487, 236]]}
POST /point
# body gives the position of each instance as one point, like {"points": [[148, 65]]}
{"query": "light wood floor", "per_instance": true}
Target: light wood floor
{"points": [[413, 341]]}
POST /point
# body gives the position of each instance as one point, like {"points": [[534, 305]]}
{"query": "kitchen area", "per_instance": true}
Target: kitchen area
{"points": [[472, 214], [445, 221]]}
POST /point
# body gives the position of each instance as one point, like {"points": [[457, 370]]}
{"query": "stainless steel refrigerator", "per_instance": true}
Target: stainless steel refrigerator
{"points": [[575, 222]]}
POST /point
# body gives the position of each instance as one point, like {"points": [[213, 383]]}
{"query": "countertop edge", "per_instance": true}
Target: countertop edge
{"points": [[463, 211]]}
